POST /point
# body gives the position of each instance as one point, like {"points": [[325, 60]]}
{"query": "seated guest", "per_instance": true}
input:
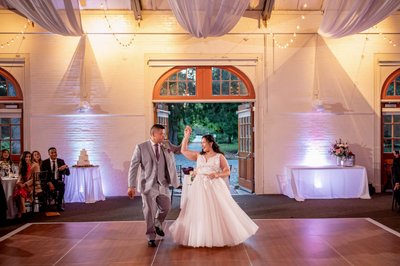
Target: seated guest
{"points": [[24, 186], [55, 168], [396, 176], [5, 163], [37, 158]]}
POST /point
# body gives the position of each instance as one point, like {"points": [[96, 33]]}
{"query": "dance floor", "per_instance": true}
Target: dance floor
{"points": [[346, 241]]}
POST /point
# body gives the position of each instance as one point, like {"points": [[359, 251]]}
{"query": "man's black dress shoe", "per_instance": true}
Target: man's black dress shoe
{"points": [[152, 243], [159, 231], [60, 209]]}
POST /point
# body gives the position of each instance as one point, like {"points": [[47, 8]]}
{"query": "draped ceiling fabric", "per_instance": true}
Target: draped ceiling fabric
{"points": [[346, 17], [205, 18], [57, 16]]}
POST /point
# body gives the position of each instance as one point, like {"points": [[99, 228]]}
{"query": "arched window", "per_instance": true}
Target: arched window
{"points": [[11, 123], [392, 86], [203, 83]]}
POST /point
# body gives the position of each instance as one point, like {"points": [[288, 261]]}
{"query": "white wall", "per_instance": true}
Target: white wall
{"points": [[118, 83]]}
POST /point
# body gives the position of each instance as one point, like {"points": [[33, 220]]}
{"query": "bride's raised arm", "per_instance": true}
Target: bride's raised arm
{"points": [[191, 155]]}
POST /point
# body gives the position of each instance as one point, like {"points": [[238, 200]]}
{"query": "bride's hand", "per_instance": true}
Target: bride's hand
{"points": [[188, 131], [213, 175]]}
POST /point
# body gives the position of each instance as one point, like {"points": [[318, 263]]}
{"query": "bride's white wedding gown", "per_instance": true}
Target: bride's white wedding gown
{"points": [[210, 217]]}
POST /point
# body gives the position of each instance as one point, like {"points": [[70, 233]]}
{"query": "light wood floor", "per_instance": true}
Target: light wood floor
{"points": [[278, 242]]}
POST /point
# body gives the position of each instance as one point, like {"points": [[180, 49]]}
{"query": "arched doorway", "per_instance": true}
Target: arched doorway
{"points": [[390, 130], [209, 84], [11, 119]]}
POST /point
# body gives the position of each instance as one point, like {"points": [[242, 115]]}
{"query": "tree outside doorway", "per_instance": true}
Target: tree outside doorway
{"points": [[217, 119]]}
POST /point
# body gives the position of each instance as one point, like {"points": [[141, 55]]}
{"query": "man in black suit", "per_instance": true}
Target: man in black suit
{"points": [[55, 168]]}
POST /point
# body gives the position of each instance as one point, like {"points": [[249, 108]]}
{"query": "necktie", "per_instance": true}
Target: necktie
{"points": [[157, 152], [54, 169]]}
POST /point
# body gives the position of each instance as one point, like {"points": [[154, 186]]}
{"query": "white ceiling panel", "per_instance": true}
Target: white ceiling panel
{"points": [[289, 5], [111, 4]]}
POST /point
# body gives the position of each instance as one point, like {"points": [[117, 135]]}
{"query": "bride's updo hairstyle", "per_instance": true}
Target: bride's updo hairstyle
{"points": [[214, 146]]}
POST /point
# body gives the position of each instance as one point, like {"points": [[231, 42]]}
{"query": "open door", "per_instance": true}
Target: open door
{"points": [[390, 126], [246, 146], [162, 115], [390, 142]]}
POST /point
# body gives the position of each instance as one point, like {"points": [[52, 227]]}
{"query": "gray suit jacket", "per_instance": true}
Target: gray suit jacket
{"points": [[144, 158]]}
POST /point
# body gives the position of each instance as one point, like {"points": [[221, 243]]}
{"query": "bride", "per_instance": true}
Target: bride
{"points": [[210, 217]]}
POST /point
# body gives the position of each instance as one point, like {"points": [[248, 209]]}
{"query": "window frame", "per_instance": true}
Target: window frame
{"points": [[14, 100], [203, 85], [392, 78]]}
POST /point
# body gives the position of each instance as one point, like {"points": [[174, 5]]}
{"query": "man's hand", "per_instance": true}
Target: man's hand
{"points": [[131, 192], [396, 186], [62, 168], [213, 175], [51, 186]]}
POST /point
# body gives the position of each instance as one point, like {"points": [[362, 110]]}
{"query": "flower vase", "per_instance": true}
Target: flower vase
{"points": [[338, 161]]}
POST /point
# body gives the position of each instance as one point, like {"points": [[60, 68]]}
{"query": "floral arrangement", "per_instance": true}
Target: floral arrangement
{"points": [[340, 149], [5, 168]]}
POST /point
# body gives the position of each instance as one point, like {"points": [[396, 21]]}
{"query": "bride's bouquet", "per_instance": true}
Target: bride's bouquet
{"points": [[192, 175]]}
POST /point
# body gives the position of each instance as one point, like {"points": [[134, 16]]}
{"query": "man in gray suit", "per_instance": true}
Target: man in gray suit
{"points": [[157, 172]]}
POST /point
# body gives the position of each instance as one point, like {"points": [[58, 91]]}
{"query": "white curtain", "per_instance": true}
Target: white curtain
{"points": [[204, 18], [347, 17], [57, 16]]}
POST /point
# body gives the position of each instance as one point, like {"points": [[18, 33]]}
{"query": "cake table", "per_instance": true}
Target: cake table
{"points": [[84, 185], [8, 186]]}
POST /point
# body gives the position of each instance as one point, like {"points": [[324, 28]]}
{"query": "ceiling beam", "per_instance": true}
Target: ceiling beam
{"points": [[267, 10], [137, 9]]}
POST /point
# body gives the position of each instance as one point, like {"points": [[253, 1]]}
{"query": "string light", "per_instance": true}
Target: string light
{"points": [[124, 44], [386, 39], [17, 36], [294, 34]]}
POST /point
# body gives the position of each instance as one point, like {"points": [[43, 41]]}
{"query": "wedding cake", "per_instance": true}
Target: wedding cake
{"points": [[83, 158]]}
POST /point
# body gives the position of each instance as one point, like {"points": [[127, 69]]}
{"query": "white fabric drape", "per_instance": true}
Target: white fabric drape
{"points": [[57, 16], [204, 18], [345, 17]]}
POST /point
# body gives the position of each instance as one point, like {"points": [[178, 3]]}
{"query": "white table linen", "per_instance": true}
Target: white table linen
{"points": [[8, 186], [83, 185], [329, 182]]}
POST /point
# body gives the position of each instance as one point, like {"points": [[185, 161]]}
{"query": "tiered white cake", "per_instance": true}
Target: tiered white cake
{"points": [[83, 158]]}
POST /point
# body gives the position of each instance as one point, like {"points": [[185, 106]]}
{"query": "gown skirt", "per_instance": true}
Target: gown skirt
{"points": [[209, 216]]}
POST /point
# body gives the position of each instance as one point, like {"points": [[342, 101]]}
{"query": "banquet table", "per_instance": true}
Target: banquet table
{"points": [[84, 185], [8, 186], [328, 182]]}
